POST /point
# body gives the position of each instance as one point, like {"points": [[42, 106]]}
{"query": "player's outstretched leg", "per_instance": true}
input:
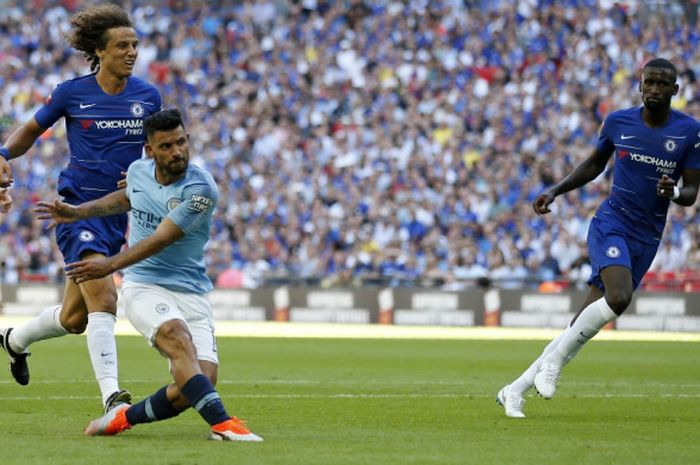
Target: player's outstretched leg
{"points": [[109, 424], [233, 429], [18, 361]]}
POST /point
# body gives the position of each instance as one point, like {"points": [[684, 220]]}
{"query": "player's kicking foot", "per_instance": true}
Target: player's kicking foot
{"points": [[546, 379], [233, 429], [121, 397], [511, 402], [18, 362], [109, 424]]}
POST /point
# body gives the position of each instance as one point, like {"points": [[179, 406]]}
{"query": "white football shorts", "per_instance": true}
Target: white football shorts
{"points": [[148, 306]]}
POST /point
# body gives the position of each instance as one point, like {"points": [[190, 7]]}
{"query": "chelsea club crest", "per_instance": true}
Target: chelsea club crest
{"points": [[670, 145], [86, 236], [136, 110]]}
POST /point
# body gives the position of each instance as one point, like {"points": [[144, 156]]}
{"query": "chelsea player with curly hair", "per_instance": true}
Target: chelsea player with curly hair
{"points": [[103, 113]]}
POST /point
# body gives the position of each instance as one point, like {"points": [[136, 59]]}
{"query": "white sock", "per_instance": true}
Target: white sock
{"points": [[103, 351], [525, 381], [587, 325], [46, 325]]}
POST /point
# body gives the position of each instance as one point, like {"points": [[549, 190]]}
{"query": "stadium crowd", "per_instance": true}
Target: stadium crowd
{"points": [[398, 142]]}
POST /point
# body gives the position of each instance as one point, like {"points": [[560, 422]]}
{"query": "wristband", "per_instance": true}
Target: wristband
{"points": [[5, 153], [676, 193]]}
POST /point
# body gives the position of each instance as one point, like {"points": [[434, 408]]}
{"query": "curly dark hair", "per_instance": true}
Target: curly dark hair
{"points": [[90, 29]]}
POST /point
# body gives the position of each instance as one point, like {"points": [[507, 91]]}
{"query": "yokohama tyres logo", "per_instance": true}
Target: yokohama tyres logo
{"points": [[662, 165], [119, 124]]}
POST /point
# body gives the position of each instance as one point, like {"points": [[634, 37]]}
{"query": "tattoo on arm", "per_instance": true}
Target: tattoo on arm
{"points": [[110, 209], [96, 211]]}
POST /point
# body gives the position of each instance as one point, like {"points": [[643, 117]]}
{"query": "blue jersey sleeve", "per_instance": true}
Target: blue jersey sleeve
{"points": [[158, 102], [54, 108], [196, 208], [605, 142]]}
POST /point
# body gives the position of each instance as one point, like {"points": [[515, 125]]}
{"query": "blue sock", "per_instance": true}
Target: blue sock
{"points": [[153, 408], [205, 400]]}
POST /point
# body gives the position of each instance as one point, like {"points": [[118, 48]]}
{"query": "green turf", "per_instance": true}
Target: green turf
{"points": [[371, 402]]}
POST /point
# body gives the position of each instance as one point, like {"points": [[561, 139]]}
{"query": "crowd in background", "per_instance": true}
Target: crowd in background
{"points": [[370, 141]]}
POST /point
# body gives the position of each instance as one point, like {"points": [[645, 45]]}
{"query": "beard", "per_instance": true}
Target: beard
{"points": [[175, 168]]}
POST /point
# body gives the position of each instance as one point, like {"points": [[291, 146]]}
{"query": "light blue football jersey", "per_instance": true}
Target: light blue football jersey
{"points": [[190, 204]]}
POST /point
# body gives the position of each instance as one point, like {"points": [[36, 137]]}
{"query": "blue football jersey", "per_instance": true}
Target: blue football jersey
{"points": [[105, 132], [642, 156], [190, 204]]}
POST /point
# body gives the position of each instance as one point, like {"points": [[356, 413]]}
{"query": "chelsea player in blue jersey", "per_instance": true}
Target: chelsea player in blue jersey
{"points": [[103, 113], [165, 285], [654, 146]]}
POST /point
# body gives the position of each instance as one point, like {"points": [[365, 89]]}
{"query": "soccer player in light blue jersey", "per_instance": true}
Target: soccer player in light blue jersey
{"points": [[165, 286], [103, 113], [654, 147]]}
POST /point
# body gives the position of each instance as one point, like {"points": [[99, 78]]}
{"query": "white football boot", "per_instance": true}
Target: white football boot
{"points": [[512, 403], [547, 378]]}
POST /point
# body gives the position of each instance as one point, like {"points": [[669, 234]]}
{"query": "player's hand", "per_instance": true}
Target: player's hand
{"points": [[542, 202], [85, 270], [664, 187], [6, 176], [58, 212], [121, 184], [5, 200]]}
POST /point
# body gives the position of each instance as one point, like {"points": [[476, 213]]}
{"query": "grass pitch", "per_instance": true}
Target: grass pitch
{"points": [[359, 401]]}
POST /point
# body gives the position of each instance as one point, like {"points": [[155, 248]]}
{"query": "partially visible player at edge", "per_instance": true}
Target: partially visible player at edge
{"points": [[5, 200], [654, 147], [164, 293], [104, 114]]}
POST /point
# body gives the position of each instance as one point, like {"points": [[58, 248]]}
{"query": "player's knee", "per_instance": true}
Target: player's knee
{"points": [[174, 340], [75, 323], [618, 301]]}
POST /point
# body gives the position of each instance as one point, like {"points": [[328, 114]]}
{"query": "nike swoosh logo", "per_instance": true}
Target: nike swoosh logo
{"points": [[136, 191], [624, 137], [104, 354], [86, 105]]}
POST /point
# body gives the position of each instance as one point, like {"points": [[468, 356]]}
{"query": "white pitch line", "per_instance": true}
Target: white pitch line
{"points": [[383, 396], [379, 384]]}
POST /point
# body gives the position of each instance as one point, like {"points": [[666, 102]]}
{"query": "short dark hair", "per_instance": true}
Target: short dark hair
{"points": [[90, 29], [661, 63], [164, 120]]}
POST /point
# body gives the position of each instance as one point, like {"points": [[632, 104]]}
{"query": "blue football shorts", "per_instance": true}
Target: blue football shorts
{"points": [[609, 245], [104, 235]]}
